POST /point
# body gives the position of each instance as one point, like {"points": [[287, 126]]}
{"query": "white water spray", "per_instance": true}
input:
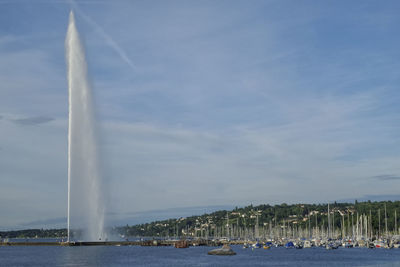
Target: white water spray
{"points": [[85, 197]]}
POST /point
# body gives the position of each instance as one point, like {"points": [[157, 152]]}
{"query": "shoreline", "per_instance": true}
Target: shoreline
{"points": [[148, 243]]}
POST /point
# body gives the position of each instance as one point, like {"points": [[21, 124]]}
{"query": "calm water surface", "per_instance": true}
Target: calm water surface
{"points": [[193, 256]]}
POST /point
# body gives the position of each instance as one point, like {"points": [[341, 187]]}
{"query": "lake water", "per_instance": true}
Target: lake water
{"points": [[193, 256]]}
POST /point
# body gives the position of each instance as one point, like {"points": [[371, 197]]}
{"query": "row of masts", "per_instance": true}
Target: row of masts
{"points": [[359, 230], [356, 227]]}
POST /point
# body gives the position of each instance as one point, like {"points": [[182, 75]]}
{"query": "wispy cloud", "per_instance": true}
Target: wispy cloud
{"points": [[372, 197], [50, 223], [33, 120], [386, 177]]}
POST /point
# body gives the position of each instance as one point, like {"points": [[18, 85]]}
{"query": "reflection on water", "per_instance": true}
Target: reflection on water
{"points": [[83, 256]]}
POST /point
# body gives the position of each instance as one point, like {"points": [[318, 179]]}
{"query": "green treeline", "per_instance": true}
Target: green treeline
{"points": [[35, 233], [306, 217]]}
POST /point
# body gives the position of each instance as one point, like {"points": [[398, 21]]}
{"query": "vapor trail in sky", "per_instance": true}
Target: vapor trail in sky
{"points": [[110, 41]]}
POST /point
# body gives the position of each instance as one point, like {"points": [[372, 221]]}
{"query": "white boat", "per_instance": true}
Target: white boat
{"points": [[307, 244]]}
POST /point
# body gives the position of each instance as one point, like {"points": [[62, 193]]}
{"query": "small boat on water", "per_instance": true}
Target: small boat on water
{"points": [[331, 245], [307, 244], [226, 250], [267, 245], [256, 245], [299, 246], [348, 244], [181, 244], [289, 244]]}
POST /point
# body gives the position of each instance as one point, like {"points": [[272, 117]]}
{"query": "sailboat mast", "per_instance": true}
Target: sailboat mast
{"points": [[343, 227], [348, 224], [352, 225], [370, 225], [329, 222], [357, 229], [379, 223], [333, 223], [386, 231]]}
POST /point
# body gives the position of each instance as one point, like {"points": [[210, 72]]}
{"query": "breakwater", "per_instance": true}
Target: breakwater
{"points": [[113, 243]]}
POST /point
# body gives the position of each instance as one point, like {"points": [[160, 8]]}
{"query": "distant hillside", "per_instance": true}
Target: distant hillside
{"points": [[35, 233], [261, 221]]}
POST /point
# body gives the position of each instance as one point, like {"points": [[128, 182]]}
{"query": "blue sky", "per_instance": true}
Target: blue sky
{"points": [[203, 103]]}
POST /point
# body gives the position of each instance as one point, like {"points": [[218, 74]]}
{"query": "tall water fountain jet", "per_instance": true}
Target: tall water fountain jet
{"points": [[85, 197]]}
